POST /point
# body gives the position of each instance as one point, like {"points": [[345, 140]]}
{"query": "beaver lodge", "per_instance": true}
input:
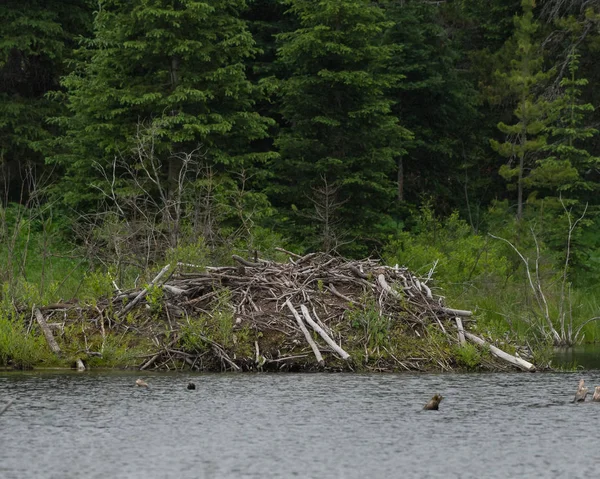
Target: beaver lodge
{"points": [[313, 312]]}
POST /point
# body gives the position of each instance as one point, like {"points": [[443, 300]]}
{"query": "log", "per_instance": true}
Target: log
{"points": [[245, 262], [46, 330], [461, 331], [143, 293], [174, 290], [307, 335], [457, 312], [323, 334], [386, 287], [80, 365], [518, 362], [6, 406]]}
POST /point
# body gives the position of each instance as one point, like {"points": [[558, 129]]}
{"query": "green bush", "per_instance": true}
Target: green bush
{"points": [[18, 347]]}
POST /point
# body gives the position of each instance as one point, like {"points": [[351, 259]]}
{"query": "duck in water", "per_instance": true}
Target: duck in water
{"points": [[141, 383], [434, 403], [581, 392]]}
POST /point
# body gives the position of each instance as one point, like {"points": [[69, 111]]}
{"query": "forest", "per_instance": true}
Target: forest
{"points": [[456, 138]]}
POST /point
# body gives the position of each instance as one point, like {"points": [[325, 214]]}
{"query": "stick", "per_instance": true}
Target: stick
{"points": [[80, 365], [46, 330], [457, 312], [520, 363], [6, 406], [245, 262], [461, 331], [322, 333], [138, 298], [307, 335]]}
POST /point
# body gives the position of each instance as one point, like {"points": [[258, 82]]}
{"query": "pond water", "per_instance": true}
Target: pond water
{"points": [[586, 356], [98, 425]]}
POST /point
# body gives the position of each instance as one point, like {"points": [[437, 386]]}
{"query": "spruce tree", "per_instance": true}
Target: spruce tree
{"points": [[338, 133], [527, 137], [177, 66]]}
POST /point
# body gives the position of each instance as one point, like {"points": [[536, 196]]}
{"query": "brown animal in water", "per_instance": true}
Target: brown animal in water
{"points": [[596, 396], [434, 403], [141, 383], [581, 392]]}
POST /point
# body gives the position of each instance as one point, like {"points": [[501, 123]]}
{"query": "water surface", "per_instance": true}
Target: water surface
{"points": [[97, 425]]}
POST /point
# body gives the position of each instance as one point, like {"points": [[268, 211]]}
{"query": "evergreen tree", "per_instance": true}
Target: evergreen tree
{"points": [[339, 134], [37, 38], [175, 65], [527, 137]]}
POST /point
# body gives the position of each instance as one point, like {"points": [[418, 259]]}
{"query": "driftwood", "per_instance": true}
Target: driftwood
{"points": [[520, 363], [257, 296]]}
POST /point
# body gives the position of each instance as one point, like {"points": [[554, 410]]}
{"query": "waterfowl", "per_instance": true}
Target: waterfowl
{"points": [[434, 403], [596, 396], [141, 383], [191, 385], [581, 392]]}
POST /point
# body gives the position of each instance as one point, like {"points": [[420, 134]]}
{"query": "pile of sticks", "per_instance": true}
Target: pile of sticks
{"points": [[304, 301]]}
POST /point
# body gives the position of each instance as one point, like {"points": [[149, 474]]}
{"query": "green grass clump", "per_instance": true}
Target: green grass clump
{"points": [[19, 348]]}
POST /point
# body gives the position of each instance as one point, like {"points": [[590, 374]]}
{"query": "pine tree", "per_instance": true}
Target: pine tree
{"points": [[526, 138], [338, 127], [177, 66]]}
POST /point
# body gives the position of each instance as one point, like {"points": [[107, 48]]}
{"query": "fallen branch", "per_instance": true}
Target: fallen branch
{"points": [[307, 335], [143, 293], [46, 330], [322, 333], [520, 363]]}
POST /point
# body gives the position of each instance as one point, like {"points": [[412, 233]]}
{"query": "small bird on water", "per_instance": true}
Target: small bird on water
{"points": [[191, 385], [581, 392], [141, 383], [434, 403]]}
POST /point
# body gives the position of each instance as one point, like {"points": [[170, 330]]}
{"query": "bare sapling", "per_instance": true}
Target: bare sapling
{"points": [[558, 326]]}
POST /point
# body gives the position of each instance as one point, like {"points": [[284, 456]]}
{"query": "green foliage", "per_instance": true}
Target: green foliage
{"points": [[467, 356], [339, 141], [374, 326], [18, 347], [215, 326], [449, 246]]}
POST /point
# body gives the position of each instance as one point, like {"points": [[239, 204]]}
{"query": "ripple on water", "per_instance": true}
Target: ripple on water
{"points": [[99, 425]]}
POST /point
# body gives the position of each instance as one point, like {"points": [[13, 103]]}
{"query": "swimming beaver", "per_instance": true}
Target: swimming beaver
{"points": [[434, 403], [191, 385], [581, 392], [141, 383]]}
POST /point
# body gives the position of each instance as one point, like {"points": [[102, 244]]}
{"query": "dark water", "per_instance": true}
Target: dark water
{"points": [[585, 356], [307, 426]]}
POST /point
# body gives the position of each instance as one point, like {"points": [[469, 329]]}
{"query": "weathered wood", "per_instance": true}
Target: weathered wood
{"points": [[80, 365], [143, 293], [245, 262], [174, 290], [54, 347], [518, 362], [461, 331], [457, 312], [306, 333], [323, 334]]}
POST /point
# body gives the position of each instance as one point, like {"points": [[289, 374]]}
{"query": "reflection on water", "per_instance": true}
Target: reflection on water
{"points": [[585, 356], [306, 425]]}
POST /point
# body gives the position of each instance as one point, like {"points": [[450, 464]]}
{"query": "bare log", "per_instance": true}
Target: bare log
{"points": [[174, 290], [46, 330], [143, 293], [307, 335], [457, 312], [518, 362], [461, 331], [80, 365], [323, 334]]}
